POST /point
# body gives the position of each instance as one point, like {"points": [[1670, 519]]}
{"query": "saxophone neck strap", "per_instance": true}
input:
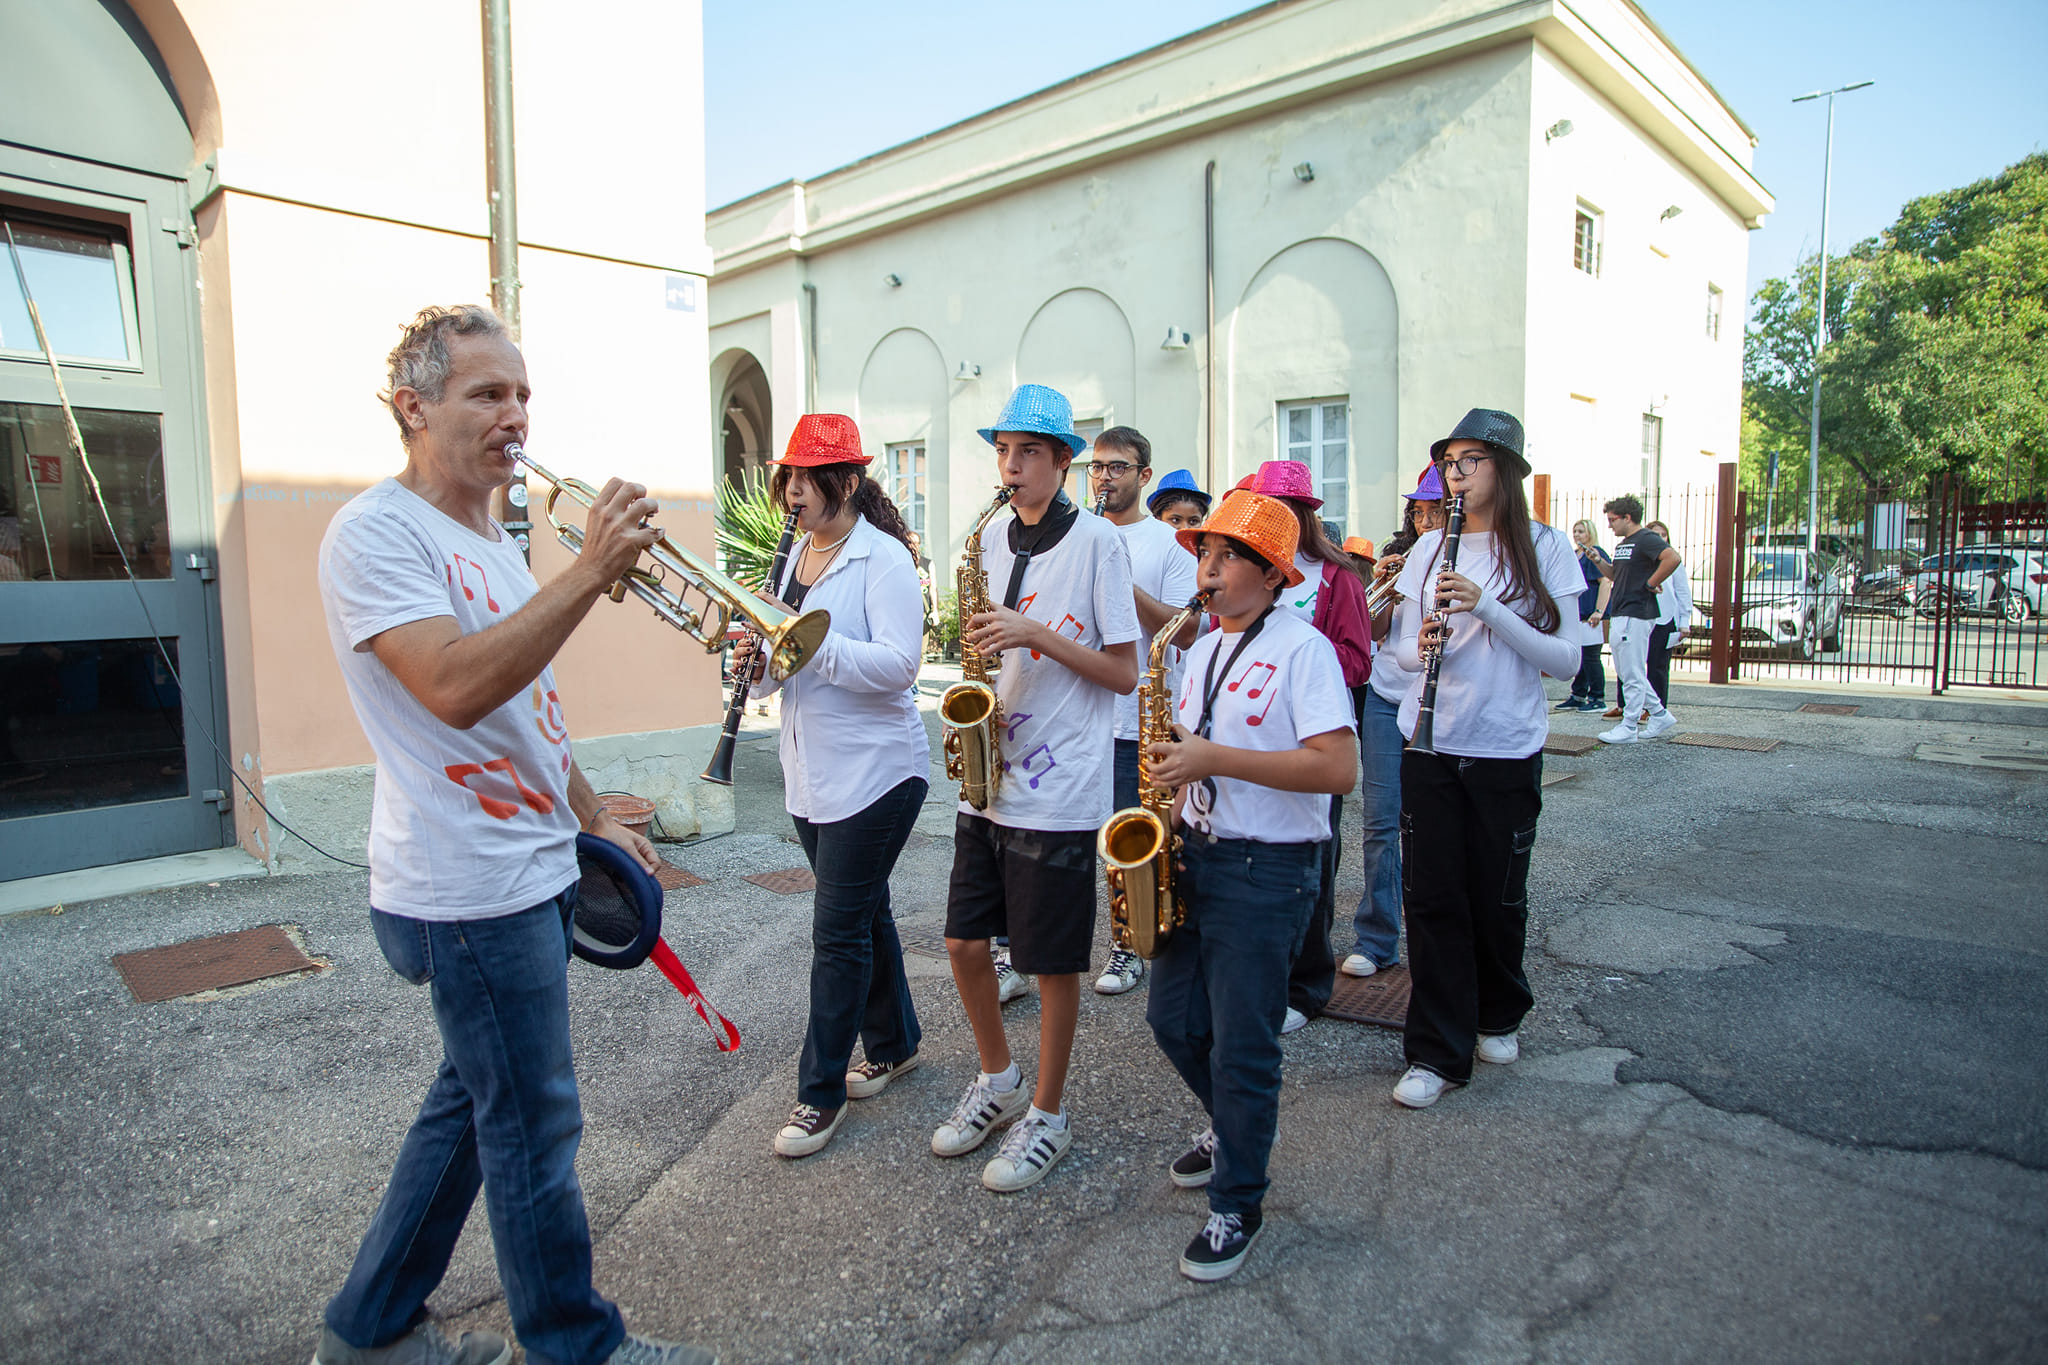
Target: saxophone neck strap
{"points": [[1051, 529], [1211, 683]]}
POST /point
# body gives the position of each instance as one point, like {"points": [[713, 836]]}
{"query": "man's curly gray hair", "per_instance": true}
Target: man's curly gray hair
{"points": [[420, 359]]}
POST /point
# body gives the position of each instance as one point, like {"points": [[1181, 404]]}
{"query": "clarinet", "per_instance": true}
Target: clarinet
{"points": [[1425, 714], [719, 769]]}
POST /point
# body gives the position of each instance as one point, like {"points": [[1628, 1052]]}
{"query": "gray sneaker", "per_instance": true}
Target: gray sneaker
{"points": [[635, 1350], [425, 1344], [1010, 983]]}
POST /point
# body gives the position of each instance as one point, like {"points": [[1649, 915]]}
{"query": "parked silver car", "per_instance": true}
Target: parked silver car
{"points": [[1792, 599]]}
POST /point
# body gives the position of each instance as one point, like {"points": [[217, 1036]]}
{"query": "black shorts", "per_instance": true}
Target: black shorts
{"points": [[1035, 885]]}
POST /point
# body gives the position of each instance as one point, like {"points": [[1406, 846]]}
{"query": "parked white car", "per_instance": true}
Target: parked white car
{"points": [[1792, 599], [1987, 580]]}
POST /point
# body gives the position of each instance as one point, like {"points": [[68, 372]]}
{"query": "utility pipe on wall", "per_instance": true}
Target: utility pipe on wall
{"points": [[1209, 327], [504, 205]]}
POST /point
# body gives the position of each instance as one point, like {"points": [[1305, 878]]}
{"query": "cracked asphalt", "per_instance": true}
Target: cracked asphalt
{"points": [[1783, 1097]]}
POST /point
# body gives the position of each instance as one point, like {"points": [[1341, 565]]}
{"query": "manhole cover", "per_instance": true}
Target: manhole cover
{"points": [[1552, 779], [210, 964], [922, 940], [1828, 708], [787, 882], [1569, 746], [1381, 998], [1745, 742], [673, 878]]}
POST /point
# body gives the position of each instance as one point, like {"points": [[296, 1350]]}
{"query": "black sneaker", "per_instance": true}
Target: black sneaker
{"points": [[808, 1130], [1192, 1168], [1220, 1247], [1571, 703]]}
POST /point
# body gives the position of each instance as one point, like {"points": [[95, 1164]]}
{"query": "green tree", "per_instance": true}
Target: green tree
{"points": [[749, 527], [1934, 331]]}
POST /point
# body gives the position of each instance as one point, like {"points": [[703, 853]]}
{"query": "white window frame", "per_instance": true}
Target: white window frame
{"points": [[1653, 459], [906, 478], [1589, 238], [1078, 485], [1715, 299], [1328, 459]]}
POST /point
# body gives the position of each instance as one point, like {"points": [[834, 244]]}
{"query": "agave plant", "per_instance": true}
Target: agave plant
{"points": [[749, 525]]}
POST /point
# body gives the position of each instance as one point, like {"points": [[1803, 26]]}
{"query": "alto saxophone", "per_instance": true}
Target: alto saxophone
{"points": [[969, 709], [1138, 843]]}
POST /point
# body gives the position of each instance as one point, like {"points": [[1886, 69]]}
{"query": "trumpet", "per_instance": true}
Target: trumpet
{"points": [[1382, 593], [792, 639]]}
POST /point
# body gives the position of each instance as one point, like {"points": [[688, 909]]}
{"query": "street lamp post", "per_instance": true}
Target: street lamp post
{"points": [[1820, 315]]}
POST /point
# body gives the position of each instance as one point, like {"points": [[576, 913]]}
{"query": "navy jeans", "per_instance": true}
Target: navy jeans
{"points": [[1591, 684], [1378, 921], [1124, 775], [1219, 993], [503, 1113], [857, 983]]}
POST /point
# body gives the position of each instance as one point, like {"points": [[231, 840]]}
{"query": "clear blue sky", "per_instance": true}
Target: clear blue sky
{"points": [[797, 88]]}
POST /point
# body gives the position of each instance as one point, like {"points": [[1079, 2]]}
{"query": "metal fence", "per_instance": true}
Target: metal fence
{"points": [[1931, 586]]}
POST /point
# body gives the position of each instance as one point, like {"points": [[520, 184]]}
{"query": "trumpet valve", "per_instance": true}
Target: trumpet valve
{"points": [[617, 591]]}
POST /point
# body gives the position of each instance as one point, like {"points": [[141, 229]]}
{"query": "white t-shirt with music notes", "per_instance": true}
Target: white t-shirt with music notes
{"points": [[465, 824], [1059, 729], [1286, 686]]}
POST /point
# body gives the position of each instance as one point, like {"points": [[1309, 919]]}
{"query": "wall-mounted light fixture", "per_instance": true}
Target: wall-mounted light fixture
{"points": [[893, 281], [735, 410], [1176, 340], [1669, 213], [1561, 128], [1304, 171], [968, 370]]}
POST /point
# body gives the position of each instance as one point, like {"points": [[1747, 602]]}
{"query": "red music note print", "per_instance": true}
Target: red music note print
{"points": [[1042, 751], [461, 580], [1265, 687], [460, 773], [1252, 693]]}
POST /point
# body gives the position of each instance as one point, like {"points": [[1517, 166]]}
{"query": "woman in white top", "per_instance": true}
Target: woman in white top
{"points": [[1674, 618], [855, 763], [1469, 807]]}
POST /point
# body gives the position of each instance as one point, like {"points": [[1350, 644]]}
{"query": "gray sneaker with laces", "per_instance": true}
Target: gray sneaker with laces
{"points": [[1029, 1150], [981, 1111], [635, 1350], [1010, 983], [1124, 971], [425, 1344]]}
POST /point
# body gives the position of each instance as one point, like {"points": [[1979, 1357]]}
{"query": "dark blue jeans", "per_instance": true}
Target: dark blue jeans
{"points": [[1124, 775], [858, 988], [1591, 683], [503, 1113], [1219, 993], [1378, 921]]}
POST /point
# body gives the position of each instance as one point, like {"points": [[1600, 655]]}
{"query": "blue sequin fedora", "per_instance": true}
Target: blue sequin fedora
{"points": [[1036, 408], [1179, 481]]}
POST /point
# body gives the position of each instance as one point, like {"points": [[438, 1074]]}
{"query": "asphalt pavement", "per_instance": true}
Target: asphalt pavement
{"points": [[1783, 1097]]}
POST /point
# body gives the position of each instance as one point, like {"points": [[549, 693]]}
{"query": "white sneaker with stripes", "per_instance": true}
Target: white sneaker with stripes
{"points": [[1027, 1153], [981, 1111]]}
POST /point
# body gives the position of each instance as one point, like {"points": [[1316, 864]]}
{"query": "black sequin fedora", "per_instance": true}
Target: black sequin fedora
{"points": [[1501, 430]]}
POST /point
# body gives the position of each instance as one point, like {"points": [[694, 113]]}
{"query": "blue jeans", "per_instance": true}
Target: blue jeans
{"points": [[1378, 920], [1124, 775], [857, 981], [503, 1113], [1591, 683], [1219, 993]]}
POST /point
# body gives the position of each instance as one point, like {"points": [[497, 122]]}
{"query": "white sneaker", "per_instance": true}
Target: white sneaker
{"points": [[1124, 971], [1659, 725], [1499, 1048], [1358, 964], [1419, 1088], [1029, 1150], [981, 1111], [1010, 983], [1623, 733], [1294, 1022]]}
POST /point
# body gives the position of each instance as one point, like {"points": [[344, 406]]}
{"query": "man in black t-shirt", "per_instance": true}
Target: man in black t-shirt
{"points": [[1642, 561]]}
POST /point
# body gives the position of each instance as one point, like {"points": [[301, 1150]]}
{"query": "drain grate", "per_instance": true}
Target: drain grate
{"points": [[1381, 998], [1828, 708], [787, 882], [211, 964], [923, 940], [673, 878], [1569, 746], [1552, 779], [1748, 743]]}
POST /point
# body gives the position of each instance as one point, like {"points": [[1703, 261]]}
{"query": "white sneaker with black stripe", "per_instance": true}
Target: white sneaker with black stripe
{"points": [[1027, 1153], [1010, 983], [1125, 970], [981, 1111]]}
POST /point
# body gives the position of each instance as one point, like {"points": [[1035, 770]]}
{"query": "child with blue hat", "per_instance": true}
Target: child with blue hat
{"points": [[1179, 501], [1063, 620]]}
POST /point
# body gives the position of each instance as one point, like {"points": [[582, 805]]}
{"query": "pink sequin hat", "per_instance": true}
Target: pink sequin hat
{"points": [[1286, 479]]}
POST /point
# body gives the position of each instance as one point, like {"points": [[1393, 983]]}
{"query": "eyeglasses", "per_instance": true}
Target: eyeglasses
{"points": [[1465, 464], [1114, 469]]}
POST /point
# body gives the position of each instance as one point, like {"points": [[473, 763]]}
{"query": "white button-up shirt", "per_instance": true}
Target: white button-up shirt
{"points": [[850, 727]]}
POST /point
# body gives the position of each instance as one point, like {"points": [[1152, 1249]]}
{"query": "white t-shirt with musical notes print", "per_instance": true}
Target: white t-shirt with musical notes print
{"points": [[1058, 738], [466, 824], [1285, 687]]}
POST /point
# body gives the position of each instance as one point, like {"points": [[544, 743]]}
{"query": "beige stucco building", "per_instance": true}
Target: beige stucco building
{"points": [[227, 208], [1320, 230]]}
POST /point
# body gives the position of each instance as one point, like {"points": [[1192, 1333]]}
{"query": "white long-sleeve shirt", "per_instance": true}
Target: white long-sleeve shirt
{"points": [[850, 728], [1674, 600]]}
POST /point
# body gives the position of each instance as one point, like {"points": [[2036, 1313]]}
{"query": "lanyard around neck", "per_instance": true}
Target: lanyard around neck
{"points": [[1211, 684], [1060, 516]]}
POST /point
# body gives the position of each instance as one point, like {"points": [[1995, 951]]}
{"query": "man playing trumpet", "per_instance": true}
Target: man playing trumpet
{"points": [[446, 645]]}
